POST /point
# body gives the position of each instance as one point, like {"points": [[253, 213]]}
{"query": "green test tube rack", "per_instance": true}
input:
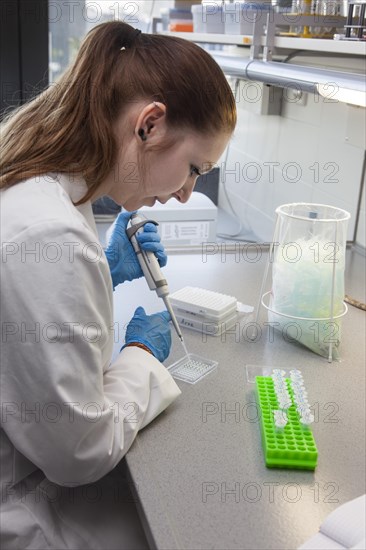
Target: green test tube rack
{"points": [[292, 446]]}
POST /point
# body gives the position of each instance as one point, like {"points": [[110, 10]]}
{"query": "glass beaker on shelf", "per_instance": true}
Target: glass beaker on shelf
{"points": [[301, 7], [333, 9]]}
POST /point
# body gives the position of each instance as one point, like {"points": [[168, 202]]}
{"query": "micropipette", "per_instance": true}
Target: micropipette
{"points": [[151, 269]]}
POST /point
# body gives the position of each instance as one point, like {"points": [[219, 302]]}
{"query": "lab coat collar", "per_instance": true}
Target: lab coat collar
{"points": [[76, 187]]}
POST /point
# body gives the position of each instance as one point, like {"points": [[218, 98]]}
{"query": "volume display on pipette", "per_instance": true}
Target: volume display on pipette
{"points": [[150, 266]]}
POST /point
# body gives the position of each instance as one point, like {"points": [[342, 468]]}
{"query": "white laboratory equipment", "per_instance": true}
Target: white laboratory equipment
{"points": [[184, 224], [208, 17]]}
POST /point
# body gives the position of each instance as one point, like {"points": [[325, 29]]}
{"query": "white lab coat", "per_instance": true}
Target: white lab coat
{"points": [[68, 414]]}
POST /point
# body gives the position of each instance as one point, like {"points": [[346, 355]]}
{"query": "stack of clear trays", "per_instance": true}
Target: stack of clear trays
{"points": [[204, 310], [192, 368]]}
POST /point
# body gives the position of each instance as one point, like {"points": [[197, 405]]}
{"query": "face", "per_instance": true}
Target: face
{"points": [[173, 173], [143, 176]]}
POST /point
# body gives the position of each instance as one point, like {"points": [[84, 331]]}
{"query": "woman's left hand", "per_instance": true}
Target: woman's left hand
{"points": [[122, 259]]}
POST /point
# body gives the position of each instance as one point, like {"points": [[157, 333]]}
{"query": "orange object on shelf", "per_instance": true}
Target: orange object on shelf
{"points": [[181, 27]]}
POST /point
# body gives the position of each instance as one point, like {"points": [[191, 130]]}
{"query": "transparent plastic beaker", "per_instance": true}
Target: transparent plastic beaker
{"points": [[307, 256]]}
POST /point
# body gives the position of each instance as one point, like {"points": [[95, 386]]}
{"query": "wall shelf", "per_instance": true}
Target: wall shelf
{"points": [[259, 65], [280, 42]]}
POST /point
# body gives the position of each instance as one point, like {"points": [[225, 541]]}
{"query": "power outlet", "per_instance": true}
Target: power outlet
{"points": [[290, 95]]}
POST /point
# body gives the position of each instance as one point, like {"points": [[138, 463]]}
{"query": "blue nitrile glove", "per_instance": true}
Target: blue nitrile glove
{"points": [[123, 263], [151, 330]]}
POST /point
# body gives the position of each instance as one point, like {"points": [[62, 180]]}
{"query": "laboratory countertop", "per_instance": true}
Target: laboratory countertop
{"points": [[198, 469]]}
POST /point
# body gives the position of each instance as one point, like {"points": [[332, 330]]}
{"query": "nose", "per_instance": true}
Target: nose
{"points": [[186, 191]]}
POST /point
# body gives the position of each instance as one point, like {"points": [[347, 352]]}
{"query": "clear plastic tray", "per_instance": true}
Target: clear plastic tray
{"points": [[192, 368]]}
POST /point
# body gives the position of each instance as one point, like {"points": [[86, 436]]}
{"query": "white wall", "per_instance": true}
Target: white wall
{"points": [[312, 152]]}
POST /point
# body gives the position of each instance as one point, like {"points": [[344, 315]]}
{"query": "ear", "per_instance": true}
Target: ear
{"points": [[151, 123]]}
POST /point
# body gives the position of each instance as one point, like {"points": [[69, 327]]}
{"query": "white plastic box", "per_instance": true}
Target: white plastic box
{"points": [[199, 25], [203, 310], [239, 17], [208, 18], [211, 305]]}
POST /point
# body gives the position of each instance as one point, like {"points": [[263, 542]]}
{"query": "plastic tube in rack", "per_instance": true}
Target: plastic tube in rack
{"points": [[307, 418], [280, 418]]}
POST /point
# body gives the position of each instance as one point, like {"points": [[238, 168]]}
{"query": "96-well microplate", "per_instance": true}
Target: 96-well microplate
{"points": [[191, 368]]}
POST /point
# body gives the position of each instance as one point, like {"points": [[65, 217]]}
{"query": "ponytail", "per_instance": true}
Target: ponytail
{"points": [[68, 127]]}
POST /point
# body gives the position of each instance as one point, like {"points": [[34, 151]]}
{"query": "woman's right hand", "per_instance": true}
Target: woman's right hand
{"points": [[153, 331], [122, 259]]}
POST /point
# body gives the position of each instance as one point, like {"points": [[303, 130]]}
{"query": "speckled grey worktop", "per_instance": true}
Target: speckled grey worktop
{"points": [[198, 469]]}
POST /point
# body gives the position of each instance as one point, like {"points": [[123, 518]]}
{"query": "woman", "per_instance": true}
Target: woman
{"points": [[137, 117]]}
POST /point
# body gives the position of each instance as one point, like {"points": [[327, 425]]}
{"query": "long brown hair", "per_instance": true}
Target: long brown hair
{"points": [[68, 127]]}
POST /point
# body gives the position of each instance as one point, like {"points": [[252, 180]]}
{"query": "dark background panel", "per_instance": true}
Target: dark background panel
{"points": [[24, 51]]}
